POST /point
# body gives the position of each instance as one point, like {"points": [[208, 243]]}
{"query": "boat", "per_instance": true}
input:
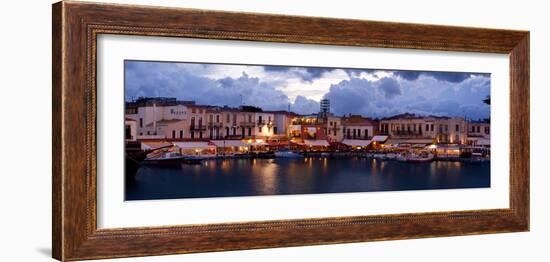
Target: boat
{"points": [[193, 160], [241, 155], [391, 156], [379, 156], [134, 157], [421, 157], [402, 157], [288, 154], [172, 159], [477, 157], [264, 155]]}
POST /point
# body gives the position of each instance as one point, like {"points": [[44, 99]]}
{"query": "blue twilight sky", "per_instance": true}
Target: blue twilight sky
{"points": [[369, 92]]}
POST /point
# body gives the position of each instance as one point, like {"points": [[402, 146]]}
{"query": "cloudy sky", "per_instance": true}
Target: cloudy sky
{"points": [[370, 92]]}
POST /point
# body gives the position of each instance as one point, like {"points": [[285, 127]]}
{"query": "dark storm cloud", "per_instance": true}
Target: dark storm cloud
{"points": [[453, 77], [408, 75], [388, 96], [385, 94], [351, 96], [305, 105], [305, 73], [149, 79], [390, 87]]}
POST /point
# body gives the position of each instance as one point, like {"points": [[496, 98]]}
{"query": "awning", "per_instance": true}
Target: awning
{"points": [[417, 142], [394, 142], [379, 138], [278, 143], [446, 147], [257, 142], [228, 143], [193, 145], [154, 145], [356, 142], [420, 141], [319, 142]]}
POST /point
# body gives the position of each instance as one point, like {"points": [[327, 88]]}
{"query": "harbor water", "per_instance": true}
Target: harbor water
{"points": [[310, 175]]}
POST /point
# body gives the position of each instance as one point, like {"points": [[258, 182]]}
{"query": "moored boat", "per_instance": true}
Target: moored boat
{"points": [[421, 157], [391, 156], [172, 159], [288, 154]]}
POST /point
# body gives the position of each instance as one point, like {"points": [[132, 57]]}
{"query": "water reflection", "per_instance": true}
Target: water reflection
{"points": [[248, 177]]}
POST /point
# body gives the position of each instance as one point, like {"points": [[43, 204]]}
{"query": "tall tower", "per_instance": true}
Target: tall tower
{"points": [[325, 107]]}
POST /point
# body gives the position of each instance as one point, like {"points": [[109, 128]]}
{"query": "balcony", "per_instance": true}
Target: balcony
{"points": [[406, 133], [214, 124], [261, 122], [197, 128]]}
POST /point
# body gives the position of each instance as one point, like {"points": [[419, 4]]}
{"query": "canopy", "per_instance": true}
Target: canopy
{"points": [[416, 142], [393, 142], [447, 147], [257, 142], [319, 142], [154, 145], [379, 138], [419, 141], [228, 143], [193, 145], [356, 142]]}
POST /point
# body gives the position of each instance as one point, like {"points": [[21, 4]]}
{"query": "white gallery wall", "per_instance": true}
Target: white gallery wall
{"points": [[25, 130]]}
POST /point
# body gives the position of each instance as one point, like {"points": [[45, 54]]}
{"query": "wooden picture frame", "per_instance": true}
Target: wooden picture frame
{"points": [[76, 26]]}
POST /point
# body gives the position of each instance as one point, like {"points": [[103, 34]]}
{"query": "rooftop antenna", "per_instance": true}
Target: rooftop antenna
{"points": [[241, 99], [288, 107]]}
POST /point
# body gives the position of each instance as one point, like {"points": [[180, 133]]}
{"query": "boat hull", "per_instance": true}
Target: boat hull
{"points": [[174, 161]]}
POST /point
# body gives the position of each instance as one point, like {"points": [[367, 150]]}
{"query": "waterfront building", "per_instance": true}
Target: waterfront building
{"points": [[357, 131], [165, 129], [309, 132], [264, 125], [231, 125], [148, 112], [130, 129], [452, 130], [479, 133], [281, 121], [168, 119], [358, 127], [415, 129], [197, 121], [334, 128], [214, 123], [307, 127]]}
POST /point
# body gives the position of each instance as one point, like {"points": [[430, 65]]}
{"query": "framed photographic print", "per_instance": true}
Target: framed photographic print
{"points": [[182, 130]]}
